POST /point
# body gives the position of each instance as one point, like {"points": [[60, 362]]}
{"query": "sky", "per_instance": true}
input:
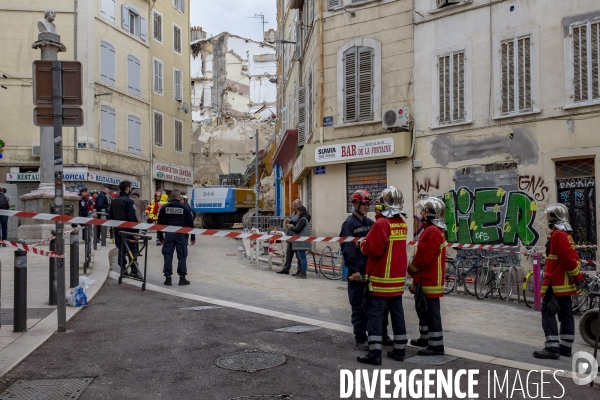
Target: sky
{"points": [[216, 16]]}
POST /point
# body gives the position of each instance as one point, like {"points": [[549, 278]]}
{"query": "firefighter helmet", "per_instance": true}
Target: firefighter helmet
{"points": [[157, 194], [434, 210], [362, 197], [392, 201], [558, 215]]}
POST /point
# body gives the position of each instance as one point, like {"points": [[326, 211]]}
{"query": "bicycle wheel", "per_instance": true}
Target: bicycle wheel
{"points": [[470, 277], [483, 282], [450, 276], [330, 265], [504, 288], [579, 299]]}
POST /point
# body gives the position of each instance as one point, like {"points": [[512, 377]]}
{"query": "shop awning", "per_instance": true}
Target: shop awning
{"points": [[286, 152]]}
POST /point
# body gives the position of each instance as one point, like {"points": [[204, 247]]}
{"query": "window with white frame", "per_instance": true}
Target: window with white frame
{"points": [[451, 87], [134, 76], [107, 63], [358, 84], [177, 39], [178, 135], [133, 22], [108, 127], [134, 134], [516, 88], [586, 61], [333, 4], [158, 128], [157, 26], [179, 4], [158, 76], [107, 10], [177, 84], [309, 106]]}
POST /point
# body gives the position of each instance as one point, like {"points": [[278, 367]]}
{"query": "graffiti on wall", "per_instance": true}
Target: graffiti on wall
{"points": [[491, 215], [534, 185], [427, 185]]}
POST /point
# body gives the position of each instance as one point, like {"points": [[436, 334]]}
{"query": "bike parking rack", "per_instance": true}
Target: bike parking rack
{"points": [[137, 239], [510, 270]]}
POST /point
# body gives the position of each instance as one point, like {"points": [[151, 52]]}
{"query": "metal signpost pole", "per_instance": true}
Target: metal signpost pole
{"points": [[57, 96], [257, 187]]}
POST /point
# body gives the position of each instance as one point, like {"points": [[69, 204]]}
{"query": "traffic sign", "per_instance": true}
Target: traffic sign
{"points": [[72, 84], [71, 117]]}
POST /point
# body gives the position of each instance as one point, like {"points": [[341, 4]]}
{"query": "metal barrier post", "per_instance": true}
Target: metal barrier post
{"points": [[20, 292], [52, 273], [271, 253], [103, 230], [256, 251], [74, 258], [94, 238], [537, 285], [86, 236], [513, 268]]}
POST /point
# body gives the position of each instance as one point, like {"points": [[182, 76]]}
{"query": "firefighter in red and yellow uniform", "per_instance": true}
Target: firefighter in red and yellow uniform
{"points": [[385, 245], [152, 211], [427, 268], [560, 277]]}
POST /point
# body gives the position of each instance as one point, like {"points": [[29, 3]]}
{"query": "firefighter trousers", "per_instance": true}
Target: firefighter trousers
{"points": [[377, 311], [559, 340], [356, 296], [430, 325]]}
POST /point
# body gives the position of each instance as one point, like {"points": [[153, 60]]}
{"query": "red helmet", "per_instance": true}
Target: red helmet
{"points": [[361, 196], [114, 194], [157, 194]]}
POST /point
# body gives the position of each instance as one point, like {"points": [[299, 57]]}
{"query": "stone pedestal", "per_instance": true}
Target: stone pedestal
{"points": [[41, 199]]}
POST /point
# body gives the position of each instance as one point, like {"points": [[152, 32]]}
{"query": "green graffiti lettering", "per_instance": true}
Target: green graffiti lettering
{"points": [[485, 217], [520, 216], [450, 216]]}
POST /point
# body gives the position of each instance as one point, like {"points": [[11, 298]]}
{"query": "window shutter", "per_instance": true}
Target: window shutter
{"points": [[177, 39], [508, 77], [311, 11], [107, 63], [158, 129], [458, 87], [157, 27], [143, 29], [178, 94], [298, 36], [350, 106], [107, 10], [283, 119], [595, 60], [125, 17], [133, 76], [158, 76], [524, 73], [444, 89], [365, 84], [182, 5], [580, 63], [301, 115], [133, 134], [310, 105], [331, 4], [107, 127], [178, 135]]}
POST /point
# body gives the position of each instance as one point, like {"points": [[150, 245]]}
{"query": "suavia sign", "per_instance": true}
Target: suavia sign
{"points": [[355, 150], [173, 173]]}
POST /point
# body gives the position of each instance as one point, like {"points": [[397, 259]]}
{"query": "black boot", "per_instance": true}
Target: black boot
{"points": [[168, 281], [546, 354], [565, 352], [419, 342], [395, 355], [388, 341], [283, 271], [428, 351], [183, 281], [369, 359], [362, 345]]}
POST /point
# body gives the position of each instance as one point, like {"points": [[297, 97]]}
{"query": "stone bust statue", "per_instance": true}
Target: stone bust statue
{"points": [[46, 25]]}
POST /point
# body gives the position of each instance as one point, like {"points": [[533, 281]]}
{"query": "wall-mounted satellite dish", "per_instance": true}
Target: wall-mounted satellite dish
{"points": [[185, 108]]}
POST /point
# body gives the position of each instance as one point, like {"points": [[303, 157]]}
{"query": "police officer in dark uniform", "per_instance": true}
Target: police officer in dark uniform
{"points": [[175, 213], [122, 208], [83, 203], [359, 225]]}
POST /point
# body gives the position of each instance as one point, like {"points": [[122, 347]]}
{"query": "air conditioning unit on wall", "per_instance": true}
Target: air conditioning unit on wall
{"points": [[395, 118], [444, 3], [35, 151]]}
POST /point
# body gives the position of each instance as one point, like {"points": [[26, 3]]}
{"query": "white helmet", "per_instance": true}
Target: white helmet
{"points": [[392, 201], [434, 209], [557, 214]]}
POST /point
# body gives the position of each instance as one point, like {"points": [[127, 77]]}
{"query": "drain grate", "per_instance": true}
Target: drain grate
{"points": [[298, 329], [431, 360], [266, 397], [250, 360], [32, 313], [200, 308], [49, 389]]}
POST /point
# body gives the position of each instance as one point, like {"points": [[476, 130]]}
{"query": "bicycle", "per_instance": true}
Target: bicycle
{"points": [[528, 287], [449, 275], [467, 278], [494, 280], [581, 300], [333, 265]]}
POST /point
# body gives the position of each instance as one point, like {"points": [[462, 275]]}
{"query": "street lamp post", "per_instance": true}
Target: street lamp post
{"points": [[256, 187]]}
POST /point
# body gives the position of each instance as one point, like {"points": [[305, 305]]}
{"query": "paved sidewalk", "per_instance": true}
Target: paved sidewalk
{"points": [[15, 346]]}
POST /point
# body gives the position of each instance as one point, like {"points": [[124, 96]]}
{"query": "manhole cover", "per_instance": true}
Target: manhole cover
{"points": [[200, 308], [431, 360], [32, 313], [298, 329], [266, 397], [47, 389], [250, 361]]}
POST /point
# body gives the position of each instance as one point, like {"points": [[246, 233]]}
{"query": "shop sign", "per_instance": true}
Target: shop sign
{"points": [[111, 180], [298, 166], [173, 173], [381, 147], [24, 177], [75, 174]]}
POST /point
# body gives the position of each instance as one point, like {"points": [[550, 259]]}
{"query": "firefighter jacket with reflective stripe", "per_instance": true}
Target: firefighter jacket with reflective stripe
{"points": [[562, 265], [385, 245], [152, 211], [428, 266]]}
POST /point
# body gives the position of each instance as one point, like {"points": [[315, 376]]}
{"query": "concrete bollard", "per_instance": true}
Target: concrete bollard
{"points": [[74, 258], [20, 292], [103, 230], [52, 273]]}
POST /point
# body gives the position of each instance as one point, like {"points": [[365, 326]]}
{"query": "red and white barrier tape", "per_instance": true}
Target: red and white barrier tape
{"points": [[32, 249], [54, 236]]}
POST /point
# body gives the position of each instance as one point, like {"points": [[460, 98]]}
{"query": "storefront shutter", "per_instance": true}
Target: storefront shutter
{"points": [[368, 175]]}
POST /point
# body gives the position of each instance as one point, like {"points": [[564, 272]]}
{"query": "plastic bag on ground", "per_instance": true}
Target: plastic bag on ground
{"points": [[71, 297], [80, 297], [86, 282]]}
